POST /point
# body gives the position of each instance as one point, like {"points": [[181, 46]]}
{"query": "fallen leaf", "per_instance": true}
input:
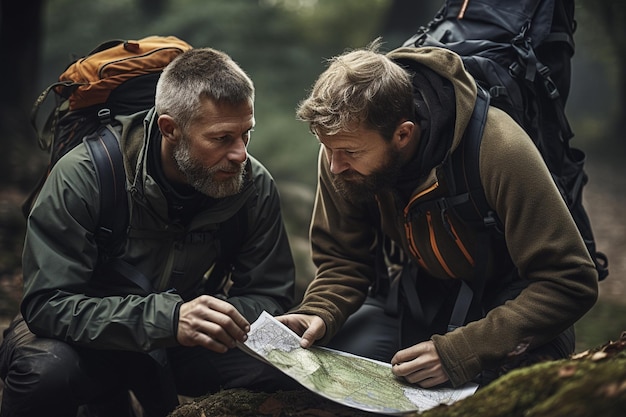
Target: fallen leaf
{"points": [[567, 371]]}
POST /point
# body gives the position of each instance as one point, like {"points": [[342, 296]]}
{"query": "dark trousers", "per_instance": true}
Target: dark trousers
{"points": [[369, 332], [46, 377]]}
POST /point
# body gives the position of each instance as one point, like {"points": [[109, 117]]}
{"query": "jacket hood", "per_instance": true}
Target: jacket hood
{"points": [[450, 66]]}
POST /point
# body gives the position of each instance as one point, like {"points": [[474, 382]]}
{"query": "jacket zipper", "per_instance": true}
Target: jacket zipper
{"points": [[463, 8], [435, 247], [459, 242], [412, 246], [407, 224], [164, 279]]}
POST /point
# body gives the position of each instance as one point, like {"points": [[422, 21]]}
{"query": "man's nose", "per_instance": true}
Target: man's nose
{"points": [[238, 151], [337, 163]]}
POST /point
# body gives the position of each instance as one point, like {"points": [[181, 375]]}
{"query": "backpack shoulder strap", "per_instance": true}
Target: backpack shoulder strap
{"points": [[105, 152], [469, 297], [478, 210], [472, 141]]}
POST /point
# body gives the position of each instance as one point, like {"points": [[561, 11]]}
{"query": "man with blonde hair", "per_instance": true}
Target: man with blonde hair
{"points": [[392, 262]]}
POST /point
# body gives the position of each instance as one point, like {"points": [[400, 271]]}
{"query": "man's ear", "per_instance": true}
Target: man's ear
{"points": [[168, 128], [405, 134]]}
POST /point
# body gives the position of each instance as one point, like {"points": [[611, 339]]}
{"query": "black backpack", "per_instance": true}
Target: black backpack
{"points": [[519, 52]]}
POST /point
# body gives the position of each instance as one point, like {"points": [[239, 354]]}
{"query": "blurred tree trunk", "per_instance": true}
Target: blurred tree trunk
{"points": [[405, 17], [611, 15], [20, 34]]}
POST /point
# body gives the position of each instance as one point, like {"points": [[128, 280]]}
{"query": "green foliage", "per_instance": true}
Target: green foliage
{"points": [[323, 22], [280, 43]]}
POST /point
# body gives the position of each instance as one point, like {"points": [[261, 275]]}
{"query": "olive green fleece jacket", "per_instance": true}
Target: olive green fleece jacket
{"points": [[63, 300], [541, 236]]}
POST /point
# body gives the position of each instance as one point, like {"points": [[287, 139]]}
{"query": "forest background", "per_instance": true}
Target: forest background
{"points": [[283, 45]]}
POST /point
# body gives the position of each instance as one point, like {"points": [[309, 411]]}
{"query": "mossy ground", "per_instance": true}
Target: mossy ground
{"points": [[590, 384]]}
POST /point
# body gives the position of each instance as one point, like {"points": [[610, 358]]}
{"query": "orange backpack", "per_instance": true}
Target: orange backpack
{"points": [[118, 77], [91, 83]]}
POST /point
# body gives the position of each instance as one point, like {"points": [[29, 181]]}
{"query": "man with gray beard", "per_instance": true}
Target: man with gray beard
{"points": [[204, 178], [84, 337]]}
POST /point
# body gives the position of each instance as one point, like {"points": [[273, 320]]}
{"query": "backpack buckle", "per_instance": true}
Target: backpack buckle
{"points": [[490, 220], [104, 115], [548, 83]]}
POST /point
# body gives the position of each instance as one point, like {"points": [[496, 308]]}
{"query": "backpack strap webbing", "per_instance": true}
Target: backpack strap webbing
{"points": [[470, 154], [106, 155], [470, 296]]}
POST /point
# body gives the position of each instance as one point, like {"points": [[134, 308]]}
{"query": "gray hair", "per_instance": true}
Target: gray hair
{"points": [[196, 73]]}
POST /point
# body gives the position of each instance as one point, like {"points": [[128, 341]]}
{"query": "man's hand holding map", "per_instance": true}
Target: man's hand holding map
{"points": [[350, 380]]}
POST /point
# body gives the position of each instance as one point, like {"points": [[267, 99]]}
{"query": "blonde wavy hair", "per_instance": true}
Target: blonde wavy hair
{"points": [[362, 87]]}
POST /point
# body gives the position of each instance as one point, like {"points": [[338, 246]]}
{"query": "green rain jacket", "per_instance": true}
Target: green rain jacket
{"points": [[63, 300], [541, 236]]}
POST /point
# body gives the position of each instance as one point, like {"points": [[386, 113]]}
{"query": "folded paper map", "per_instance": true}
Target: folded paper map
{"points": [[350, 380]]}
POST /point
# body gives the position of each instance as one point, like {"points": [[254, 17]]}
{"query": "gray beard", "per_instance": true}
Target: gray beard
{"points": [[203, 179]]}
